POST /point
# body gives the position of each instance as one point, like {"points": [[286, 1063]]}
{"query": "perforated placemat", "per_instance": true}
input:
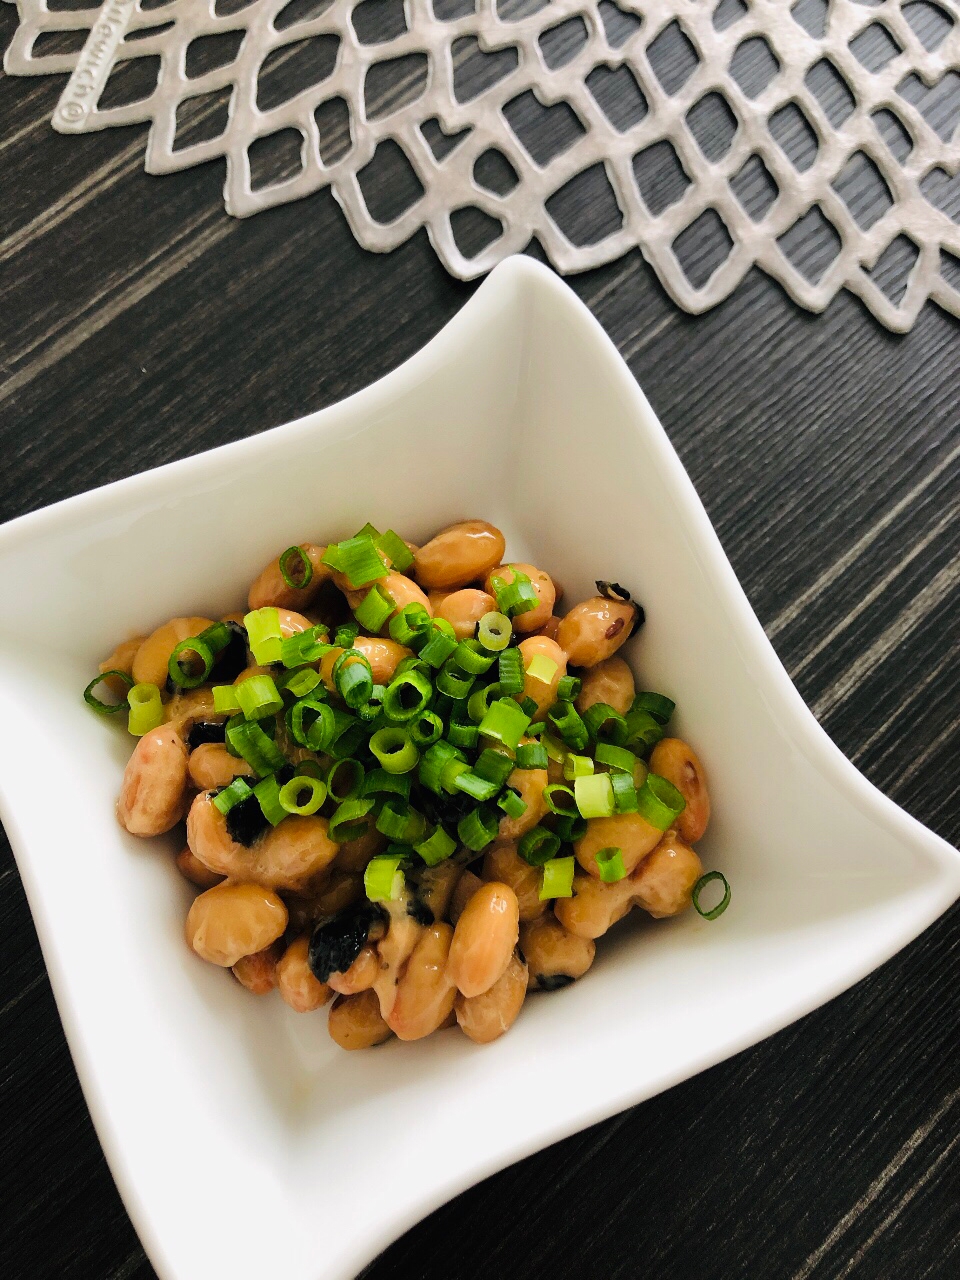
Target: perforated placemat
{"points": [[814, 141]]}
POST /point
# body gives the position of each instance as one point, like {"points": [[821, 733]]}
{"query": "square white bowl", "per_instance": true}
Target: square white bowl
{"points": [[243, 1141]]}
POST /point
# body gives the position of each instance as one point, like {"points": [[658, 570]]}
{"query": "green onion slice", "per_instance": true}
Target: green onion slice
{"points": [[494, 631], [238, 790], [570, 827], [304, 646], [374, 609], [605, 724], [225, 697], [642, 730], [538, 846], [302, 795], [472, 657], [258, 697], [577, 767], [146, 709], [656, 705], [568, 688], [184, 672], [506, 722], [437, 847], [303, 682], [392, 546], [411, 622], [345, 635], [478, 704], [407, 696], [659, 801], [398, 821], [512, 803], [510, 671], [394, 749], [353, 676], [594, 796], [542, 668], [296, 568], [463, 735], [267, 792], [380, 782], [383, 879], [360, 561], [435, 759], [471, 784], [610, 865], [349, 820], [426, 728], [624, 792], [532, 755], [344, 780], [454, 682], [560, 799], [699, 887], [566, 720], [478, 828], [618, 758], [251, 743], [264, 635], [557, 879]]}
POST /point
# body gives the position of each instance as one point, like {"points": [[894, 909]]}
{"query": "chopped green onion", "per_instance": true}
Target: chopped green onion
{"points": [[216, 637], [186, 677], [478, 828], [344, 780], [315, 724], [348, 742], [594, 796], [407, 696], [642, 730], [360, 561], [510, 671], [454, 682], [291, 792], [267, 792], [374, 609], [441, 624], [538, 846], [624, 792], [618, 758], [494, 631], [345, 635], [470, 656], [258, 697], [577, 767], [296, 568], [450, 773], [560, 799], [146, 709], [368, 531], [303, 682], [310, 769], [603, 723], [515, 597], [569, 826], [251, 743], [225, 697], [264, 635], [434, 760], [353, 676], [383, 879], [349, 820], [557, 879], [568, 688], [425, 728], [506, 722], [512, 803], [659, 801], [493, 765], [532, 755], [554, 748], [438, 846], [542, 668], [304, 646], [397, 821], [438, 649], [380, 782], [238, 790], [372, 709], [395, 549], [331, 557], [699, 887], [410, 622], [471, 784], [463, 735], [610, 865], [566, 720], [478, 704], [394, 749], [656, 705], [529, 705], [535, 729]]}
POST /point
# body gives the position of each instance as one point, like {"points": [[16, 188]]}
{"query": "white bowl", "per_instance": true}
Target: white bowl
{"points": [[244, 1143]]}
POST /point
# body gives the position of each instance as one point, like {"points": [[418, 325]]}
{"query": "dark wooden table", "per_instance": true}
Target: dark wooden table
{"points": [[140, 324]]}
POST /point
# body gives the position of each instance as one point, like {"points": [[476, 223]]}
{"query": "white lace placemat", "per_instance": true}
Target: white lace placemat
{"points": [[813, 140]]}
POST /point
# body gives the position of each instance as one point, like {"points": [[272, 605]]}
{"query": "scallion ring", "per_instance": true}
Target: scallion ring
{"points": [[699, 887], [188, 677], [296, 568], [107, 708]]}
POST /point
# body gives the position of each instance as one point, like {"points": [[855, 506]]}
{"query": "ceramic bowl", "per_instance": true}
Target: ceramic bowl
{"points": [[243, 1141]]}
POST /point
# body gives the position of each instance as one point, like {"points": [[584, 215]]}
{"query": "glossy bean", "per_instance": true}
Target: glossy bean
{"points": [[630, 832], [676, 761], [395, 948], [502, 863], [484, 938], [486, 1017], [361, 975], [663, 882], [595, 906], [269, 587], [460, 554], [384, 656], [355, 1022], [233, 920], [610, 681], [258, 972], [426, 993], [188, 707], [595, 629], [296, 982], [526, 623], [543, 692], [529, 783], [192, 869], [465, 888], [211, 766], [550, 627], [436, 887], [154, 789], [150, 661], [463, 609], [555, 957]]}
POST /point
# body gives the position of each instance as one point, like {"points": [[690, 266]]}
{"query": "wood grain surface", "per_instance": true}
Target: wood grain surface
{"points": [[138, 324]]}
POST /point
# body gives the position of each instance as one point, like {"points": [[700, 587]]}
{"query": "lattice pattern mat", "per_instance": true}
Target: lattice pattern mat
{"points": [[816, 141]]}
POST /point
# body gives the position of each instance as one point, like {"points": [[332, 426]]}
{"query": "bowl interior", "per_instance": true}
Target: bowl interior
{"points": [[521, 413]]}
